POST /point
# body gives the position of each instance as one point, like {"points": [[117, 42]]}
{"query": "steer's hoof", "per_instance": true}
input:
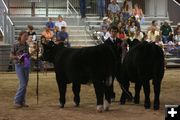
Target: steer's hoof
{"points": [[147, 106], [76, 105], [156, 107], [106, 105], [122, 102], [61, 106], [99, 108]]}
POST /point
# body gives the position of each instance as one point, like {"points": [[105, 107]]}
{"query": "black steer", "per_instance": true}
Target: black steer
{"points": [[143, 62], [82, 65]]}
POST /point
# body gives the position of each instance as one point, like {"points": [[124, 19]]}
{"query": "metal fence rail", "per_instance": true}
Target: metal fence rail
{"points": [[6, 25], [23, 7]]}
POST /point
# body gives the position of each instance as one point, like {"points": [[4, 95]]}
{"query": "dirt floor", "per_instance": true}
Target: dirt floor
{"points": [[48, 109]]}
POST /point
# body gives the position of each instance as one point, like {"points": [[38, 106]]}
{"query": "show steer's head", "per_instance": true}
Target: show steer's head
{"points": [[49, 51]]}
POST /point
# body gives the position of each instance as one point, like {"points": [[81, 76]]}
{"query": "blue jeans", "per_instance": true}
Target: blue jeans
{"points": [[23, 76], [101, 7], [165, 39], [82, 5]]}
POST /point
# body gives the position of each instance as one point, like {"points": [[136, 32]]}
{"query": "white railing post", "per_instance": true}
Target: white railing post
{"points": [[46, 8], [7, 24], [4, 27], [67, 10]]}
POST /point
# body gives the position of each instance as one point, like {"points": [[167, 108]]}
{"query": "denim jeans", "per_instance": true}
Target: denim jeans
{"points": [[82, 5], [101, 7], [165, 39], [23, 76]]}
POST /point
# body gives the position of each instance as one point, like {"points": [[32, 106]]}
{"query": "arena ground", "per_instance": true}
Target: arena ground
{"points": [[48, 109]]}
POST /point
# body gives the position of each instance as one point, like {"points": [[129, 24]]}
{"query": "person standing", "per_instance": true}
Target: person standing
{"points": [[82, 4], [116, 44], [101, 8], [20, 55]]}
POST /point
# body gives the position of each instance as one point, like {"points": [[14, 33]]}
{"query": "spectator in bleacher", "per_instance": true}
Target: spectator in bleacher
{"points": [[133, 26], [177, 28], [82, 4], [106, 34], [177, 37], [60, 22], [129, 2], [56, 30], [107, 2], [113, 11], [139, 35], [166, 31], [50, 23], [159, 42], [62, 37], [48, 34], [31, 32], [131, 35], [137, 12], [121, 34], [126, 11], [152, 34], [101, 8], [154, 24], [104, 24]]}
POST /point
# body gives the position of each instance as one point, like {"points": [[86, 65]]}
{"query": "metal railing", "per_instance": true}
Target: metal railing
{"points": [[42, 8], [70, 8], [6, 26], [177, 2]]}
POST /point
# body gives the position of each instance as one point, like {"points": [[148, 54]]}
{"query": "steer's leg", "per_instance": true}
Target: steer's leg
{"points": [[62, 85], [107, 100], [146, 87], [138, 85], [157, 87], [76, 90], [125, 90], [99, 90]]}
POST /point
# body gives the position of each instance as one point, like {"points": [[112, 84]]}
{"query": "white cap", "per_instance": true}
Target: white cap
{"points": [[167, 21], [105, 18]]}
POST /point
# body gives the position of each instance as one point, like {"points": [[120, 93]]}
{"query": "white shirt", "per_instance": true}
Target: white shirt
{"points": [[114, 8], [60, 24], [152, 36]]}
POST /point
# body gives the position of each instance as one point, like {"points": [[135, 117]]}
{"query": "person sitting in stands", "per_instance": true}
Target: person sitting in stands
{"points": [[62, 36], [31, 32], [113, 11], [166, 31], [137, 12], [60, 22], [154, 24], [50, 23], [48, 34]]}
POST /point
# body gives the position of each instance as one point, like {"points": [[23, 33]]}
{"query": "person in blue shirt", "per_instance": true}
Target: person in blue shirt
{"points": [[62, 37], [50, 24]]}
